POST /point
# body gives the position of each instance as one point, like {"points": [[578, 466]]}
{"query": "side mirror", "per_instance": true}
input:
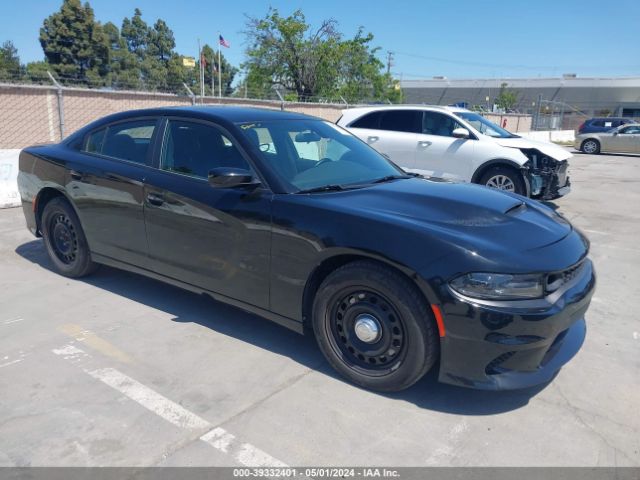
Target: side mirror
{"points": [[615, 132], [227, 177], [460, 133]]}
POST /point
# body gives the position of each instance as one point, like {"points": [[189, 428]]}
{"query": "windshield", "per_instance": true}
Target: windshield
{"points": [[311, 154], [484, 126]]}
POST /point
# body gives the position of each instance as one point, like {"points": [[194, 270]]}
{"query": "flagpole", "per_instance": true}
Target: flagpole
{"points": [[219, 70], [201, 71], [213, 78]]}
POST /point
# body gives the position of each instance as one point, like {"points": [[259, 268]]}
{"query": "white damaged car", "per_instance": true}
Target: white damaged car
{"points": [[460, 145]]}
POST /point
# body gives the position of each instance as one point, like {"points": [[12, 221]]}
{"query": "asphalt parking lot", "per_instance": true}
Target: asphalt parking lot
{"points": [[120, 370]]}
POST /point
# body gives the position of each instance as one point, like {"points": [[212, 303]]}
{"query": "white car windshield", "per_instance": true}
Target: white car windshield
{"points": [[484, 126]]}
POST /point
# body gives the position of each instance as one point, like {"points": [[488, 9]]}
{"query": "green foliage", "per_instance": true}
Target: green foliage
{"points": [[506, 99], [285, 52], [74, 43], [36, 72], [9, 61]]}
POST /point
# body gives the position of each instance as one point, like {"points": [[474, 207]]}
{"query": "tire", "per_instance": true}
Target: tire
{"points": [[590, 146], [64, 239], [365, 292], [503, 178]]}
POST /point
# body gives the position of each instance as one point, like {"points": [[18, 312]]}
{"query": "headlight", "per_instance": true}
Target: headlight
{"points": [[499, 286]]}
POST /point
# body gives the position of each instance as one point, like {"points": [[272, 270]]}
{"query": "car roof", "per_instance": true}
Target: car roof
{"points": [[220, 113], [609, 118], [351, 114]]}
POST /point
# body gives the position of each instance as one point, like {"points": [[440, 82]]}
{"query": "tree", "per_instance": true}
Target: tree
{"points": [[506, 99], [136, 33], [283, 52], [286, 52], [161, 41], [9, 61], [74, 44], [124, 69]]}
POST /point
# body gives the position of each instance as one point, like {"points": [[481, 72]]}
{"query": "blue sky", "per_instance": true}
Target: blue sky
{"points": [[458, 39]]}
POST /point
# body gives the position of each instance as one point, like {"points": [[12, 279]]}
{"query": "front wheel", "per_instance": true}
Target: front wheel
{"points": [[590, 146], [374, 327], [505, 179], [64, 239]]}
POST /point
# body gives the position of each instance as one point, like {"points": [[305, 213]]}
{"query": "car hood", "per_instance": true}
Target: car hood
{"points": [[466, 215], [554, 151]]}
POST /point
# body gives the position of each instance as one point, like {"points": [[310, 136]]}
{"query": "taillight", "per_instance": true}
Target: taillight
{"points": [[581, 127]]}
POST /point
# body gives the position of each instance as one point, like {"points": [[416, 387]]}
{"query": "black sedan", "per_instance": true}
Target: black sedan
{"points": [[296, 220]]}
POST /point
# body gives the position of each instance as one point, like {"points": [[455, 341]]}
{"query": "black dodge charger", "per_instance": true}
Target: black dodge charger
{"points": [[296, 220]]}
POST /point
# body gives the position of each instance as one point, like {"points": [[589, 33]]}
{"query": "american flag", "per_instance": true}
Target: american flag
{"points": [[223, 42]]}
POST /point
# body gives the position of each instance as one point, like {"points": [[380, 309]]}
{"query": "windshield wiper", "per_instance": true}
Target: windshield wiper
{"points": [[388, 178], [323, 188]]}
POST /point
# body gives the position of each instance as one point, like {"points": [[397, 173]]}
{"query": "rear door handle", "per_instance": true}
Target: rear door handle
{"points": [[155, 199], [372, 139], [424, 143]]}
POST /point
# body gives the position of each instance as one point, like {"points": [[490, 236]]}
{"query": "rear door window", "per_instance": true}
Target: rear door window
{"points": [[409, 121]]}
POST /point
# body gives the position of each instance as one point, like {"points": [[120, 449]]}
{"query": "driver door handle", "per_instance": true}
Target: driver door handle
{"points": [[155, 199], [372, 139], [424, 143]]}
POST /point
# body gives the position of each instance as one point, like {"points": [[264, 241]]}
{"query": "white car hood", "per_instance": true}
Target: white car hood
{"points": [[554, 151]]}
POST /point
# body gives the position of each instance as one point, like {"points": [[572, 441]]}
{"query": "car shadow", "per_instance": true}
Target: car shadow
{"points": [[188, 307], [550, 204], [608, 154]]}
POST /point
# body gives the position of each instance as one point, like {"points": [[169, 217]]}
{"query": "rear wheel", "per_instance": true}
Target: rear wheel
{"points": [[374, 327], [503, 178], [591, 146], [65, 240]]}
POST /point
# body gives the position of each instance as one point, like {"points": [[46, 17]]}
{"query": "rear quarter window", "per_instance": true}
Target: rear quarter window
{"points": [[125, 140]]}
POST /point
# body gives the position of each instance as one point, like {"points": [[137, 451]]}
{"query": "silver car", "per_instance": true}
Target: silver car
{"points": [[624, 139]]}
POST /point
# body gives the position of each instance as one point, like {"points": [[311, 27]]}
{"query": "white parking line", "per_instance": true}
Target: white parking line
{"points": [[243, 453], [15, 320], [217, 437], [149, 399], [12, 362]]}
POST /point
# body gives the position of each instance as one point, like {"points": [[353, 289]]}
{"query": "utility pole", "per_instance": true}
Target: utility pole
{"points": [[389, 61]]}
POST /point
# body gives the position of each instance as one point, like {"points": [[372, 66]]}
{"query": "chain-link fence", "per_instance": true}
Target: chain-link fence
{"points": [[557, 115], [31, 114], [38, 109]]}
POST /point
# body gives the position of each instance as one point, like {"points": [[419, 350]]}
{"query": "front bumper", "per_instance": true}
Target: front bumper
{"points": [[516, 344], [550, 183]]}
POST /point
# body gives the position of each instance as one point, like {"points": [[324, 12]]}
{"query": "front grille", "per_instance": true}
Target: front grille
{"points": [[558, 279]]}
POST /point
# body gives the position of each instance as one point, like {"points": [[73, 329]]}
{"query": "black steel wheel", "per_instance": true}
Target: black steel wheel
{"points": [[64, 239], [374, 327], [367, 330]]}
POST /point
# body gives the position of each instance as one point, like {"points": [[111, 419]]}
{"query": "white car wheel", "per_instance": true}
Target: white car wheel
{"points": [[501, 182]]}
